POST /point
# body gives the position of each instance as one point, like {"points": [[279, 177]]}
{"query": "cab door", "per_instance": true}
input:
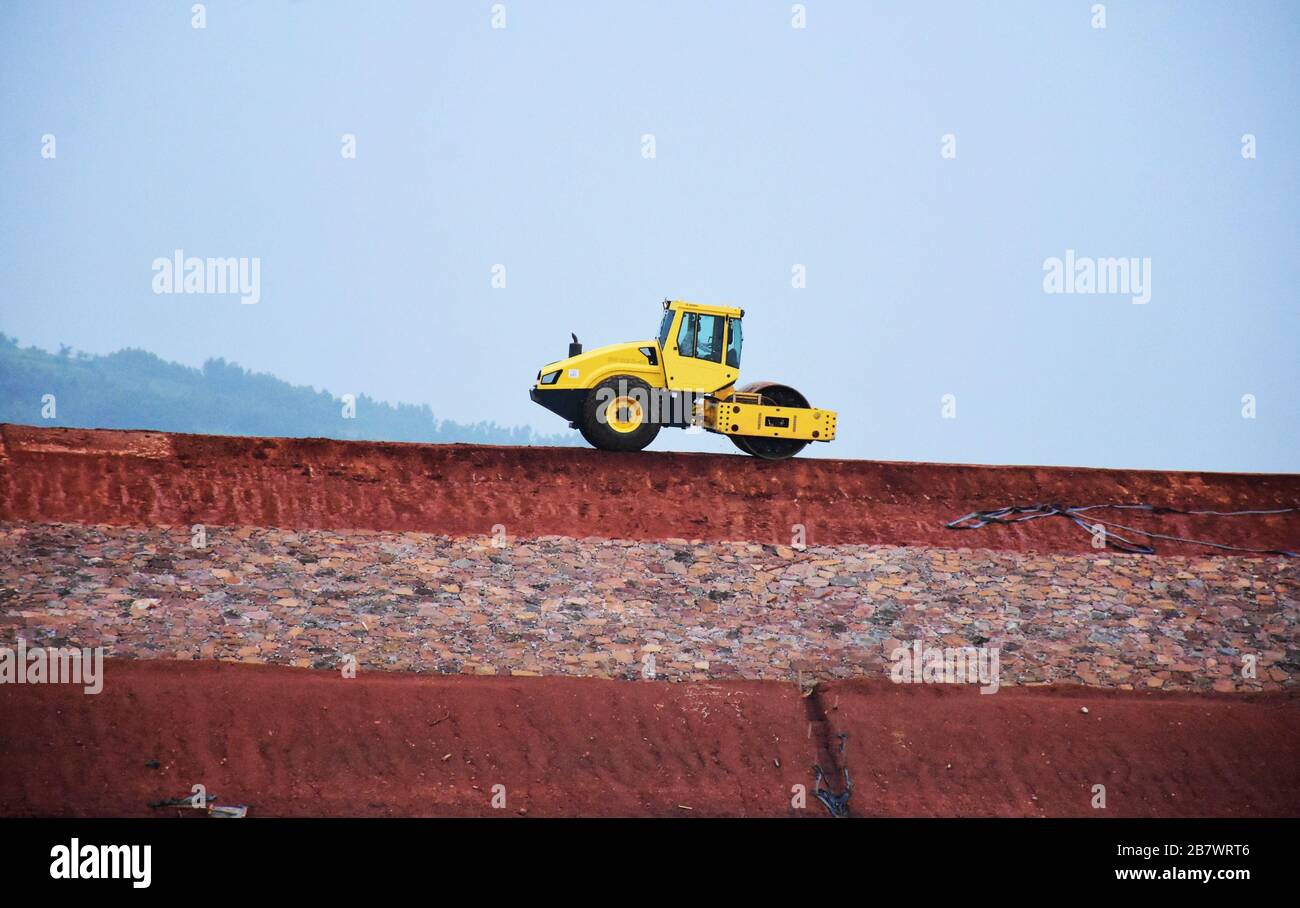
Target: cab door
{"points": [[695, 354]]}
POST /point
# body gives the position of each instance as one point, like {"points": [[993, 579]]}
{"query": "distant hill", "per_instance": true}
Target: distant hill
{"points": [[134, 389]]}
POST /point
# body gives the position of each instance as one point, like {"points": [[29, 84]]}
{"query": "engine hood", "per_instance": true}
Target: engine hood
{"points": [[639, 358]]}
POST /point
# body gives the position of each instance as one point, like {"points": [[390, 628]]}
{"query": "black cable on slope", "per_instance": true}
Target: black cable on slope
{"points": [[1020, 513]]}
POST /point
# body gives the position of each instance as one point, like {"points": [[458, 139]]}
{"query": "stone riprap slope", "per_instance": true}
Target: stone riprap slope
{"points": [[608, 608]]}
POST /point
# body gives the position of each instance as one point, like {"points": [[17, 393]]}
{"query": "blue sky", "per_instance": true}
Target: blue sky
{"points": [[775, 146]]}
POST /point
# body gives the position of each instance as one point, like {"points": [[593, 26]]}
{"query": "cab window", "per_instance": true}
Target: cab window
{"points": [[733, 343], [686, 334], [665, 326], [708, 344]]}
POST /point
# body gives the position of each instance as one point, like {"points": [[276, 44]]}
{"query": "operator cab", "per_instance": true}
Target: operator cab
{"points": [[701, 346]]}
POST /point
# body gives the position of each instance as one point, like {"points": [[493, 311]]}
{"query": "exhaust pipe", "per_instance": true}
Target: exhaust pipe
{"points": [[576, 347]]}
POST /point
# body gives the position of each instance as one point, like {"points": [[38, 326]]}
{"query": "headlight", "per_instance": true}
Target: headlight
{"points": [[551, 378]]}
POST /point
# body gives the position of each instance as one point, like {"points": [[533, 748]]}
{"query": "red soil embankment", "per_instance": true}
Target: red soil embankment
{"points": [[151, 478], [299, 742]]}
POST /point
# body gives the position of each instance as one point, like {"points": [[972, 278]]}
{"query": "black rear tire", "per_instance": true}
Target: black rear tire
{"points": [[598, 424]]}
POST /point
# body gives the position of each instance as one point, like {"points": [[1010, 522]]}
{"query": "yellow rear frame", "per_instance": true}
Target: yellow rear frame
{"points": [[746, 414]]}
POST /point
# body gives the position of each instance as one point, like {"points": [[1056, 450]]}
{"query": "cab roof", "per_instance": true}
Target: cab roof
{"points": [[684, 306]]}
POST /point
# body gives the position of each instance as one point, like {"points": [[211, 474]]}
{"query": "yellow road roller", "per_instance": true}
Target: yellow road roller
{"points": [[620, 396]]}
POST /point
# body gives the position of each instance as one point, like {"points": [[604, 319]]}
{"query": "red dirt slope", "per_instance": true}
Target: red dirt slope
{"points": [[298, 742], [95, 476]]}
